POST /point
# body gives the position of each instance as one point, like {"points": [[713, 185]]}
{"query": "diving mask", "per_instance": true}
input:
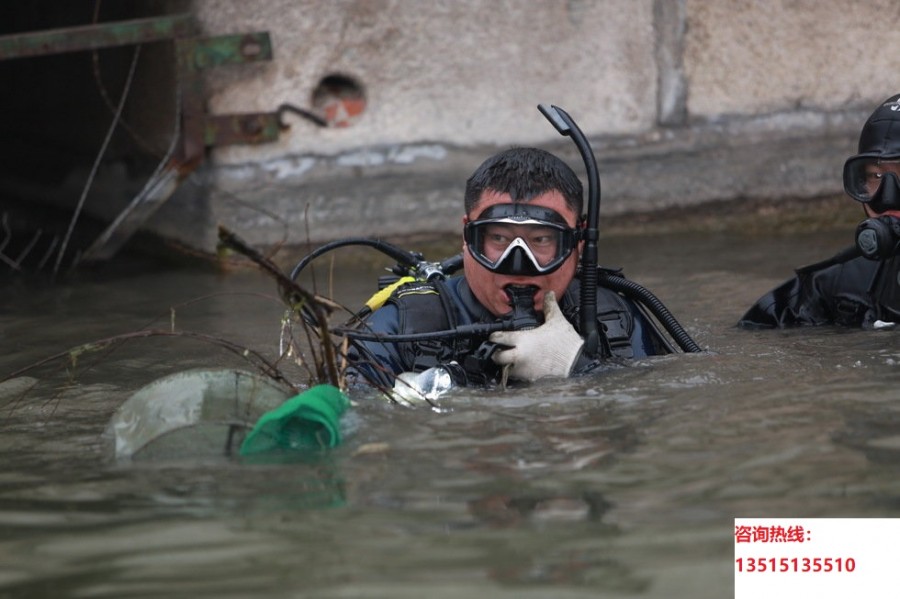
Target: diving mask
{"points": [[520, 239], [874, 181]]}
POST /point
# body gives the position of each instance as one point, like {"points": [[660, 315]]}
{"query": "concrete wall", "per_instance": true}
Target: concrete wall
{"points": [[782, 56], [685, 101]]}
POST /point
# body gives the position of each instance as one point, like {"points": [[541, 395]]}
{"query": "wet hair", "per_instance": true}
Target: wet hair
{"points": [[524, 173]]}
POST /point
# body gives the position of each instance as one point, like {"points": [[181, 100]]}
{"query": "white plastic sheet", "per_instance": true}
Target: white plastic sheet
{"points": [[193, 413]]}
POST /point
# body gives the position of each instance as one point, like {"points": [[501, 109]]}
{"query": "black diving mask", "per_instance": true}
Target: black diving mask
{"points": [[520, 239], [874, 181]]}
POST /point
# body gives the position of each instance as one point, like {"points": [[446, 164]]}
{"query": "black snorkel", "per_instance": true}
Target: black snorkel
{"points": [[590, 276], [566, 126]]}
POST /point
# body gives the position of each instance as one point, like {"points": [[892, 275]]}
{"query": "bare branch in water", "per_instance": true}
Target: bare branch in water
{"points": [[301, 303], [296, 298]]}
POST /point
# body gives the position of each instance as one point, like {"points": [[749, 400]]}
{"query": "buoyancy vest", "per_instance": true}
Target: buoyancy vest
{"points": [[847, 290], [442, 305], [425, 308]]}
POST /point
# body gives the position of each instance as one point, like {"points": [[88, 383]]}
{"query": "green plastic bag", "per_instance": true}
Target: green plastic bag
{"points": [[310, 420]]}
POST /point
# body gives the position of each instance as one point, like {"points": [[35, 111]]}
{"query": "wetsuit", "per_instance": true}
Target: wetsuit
{"points": [[847, 290], [441, 306]]}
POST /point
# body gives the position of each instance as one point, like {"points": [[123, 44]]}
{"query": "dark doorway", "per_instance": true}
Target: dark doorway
{"points": [[65, 170]]}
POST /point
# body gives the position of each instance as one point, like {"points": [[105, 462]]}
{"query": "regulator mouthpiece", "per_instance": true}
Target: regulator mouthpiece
{"points": [[523, 315]]}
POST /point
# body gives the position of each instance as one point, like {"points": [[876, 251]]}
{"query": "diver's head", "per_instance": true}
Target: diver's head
{"points": [[872, 176], [520, 243], [523, 174], [544, 197]]}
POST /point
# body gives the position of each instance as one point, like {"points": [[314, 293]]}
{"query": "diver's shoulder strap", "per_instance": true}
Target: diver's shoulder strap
{"points": [[608, 270], [424, 308], [615, 318], [616, 321]]}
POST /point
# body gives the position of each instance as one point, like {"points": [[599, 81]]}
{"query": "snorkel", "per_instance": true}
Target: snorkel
{"points": [[567, 127], [590, 273]]}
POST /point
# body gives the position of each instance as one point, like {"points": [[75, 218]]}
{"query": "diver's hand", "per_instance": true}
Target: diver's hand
{"points": [[549, 350]]}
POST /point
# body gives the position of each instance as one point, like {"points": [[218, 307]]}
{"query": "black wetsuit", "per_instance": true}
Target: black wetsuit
{"points": [[847, 290], [441, 306]]}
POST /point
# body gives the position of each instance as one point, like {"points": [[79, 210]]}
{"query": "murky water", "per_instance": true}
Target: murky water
{"points": [[620, 485]]}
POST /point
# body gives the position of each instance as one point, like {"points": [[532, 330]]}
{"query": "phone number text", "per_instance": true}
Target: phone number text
{"points": [[795, 564]]}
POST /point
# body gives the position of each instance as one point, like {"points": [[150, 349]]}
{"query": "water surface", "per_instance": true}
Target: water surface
{"points": [[624, 484]]}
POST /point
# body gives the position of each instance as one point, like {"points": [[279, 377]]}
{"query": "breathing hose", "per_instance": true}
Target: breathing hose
{"points": [[400, 255], [656, 307], [625, 286]]}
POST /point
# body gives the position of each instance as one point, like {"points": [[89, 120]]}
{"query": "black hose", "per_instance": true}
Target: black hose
{"points": [[656, 307], [629, 288], [464, 330], [452, 264], [398, 254]]}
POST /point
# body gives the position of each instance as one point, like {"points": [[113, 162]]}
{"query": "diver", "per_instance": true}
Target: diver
{"points": [[859, 286], [521, 234], [531, 302]]}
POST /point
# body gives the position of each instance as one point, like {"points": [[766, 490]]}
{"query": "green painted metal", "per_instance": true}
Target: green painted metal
{"points": [[92, 37], [199, 129], [231, 49]]}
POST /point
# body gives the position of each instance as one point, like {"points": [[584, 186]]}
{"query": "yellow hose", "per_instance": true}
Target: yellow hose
{"points": [[377, 300]]}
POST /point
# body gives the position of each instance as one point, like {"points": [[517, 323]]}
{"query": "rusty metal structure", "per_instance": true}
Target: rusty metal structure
{"points": [[197, 129]]}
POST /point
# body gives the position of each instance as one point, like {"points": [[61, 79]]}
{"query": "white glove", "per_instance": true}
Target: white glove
{"points": [[549, 350]]}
